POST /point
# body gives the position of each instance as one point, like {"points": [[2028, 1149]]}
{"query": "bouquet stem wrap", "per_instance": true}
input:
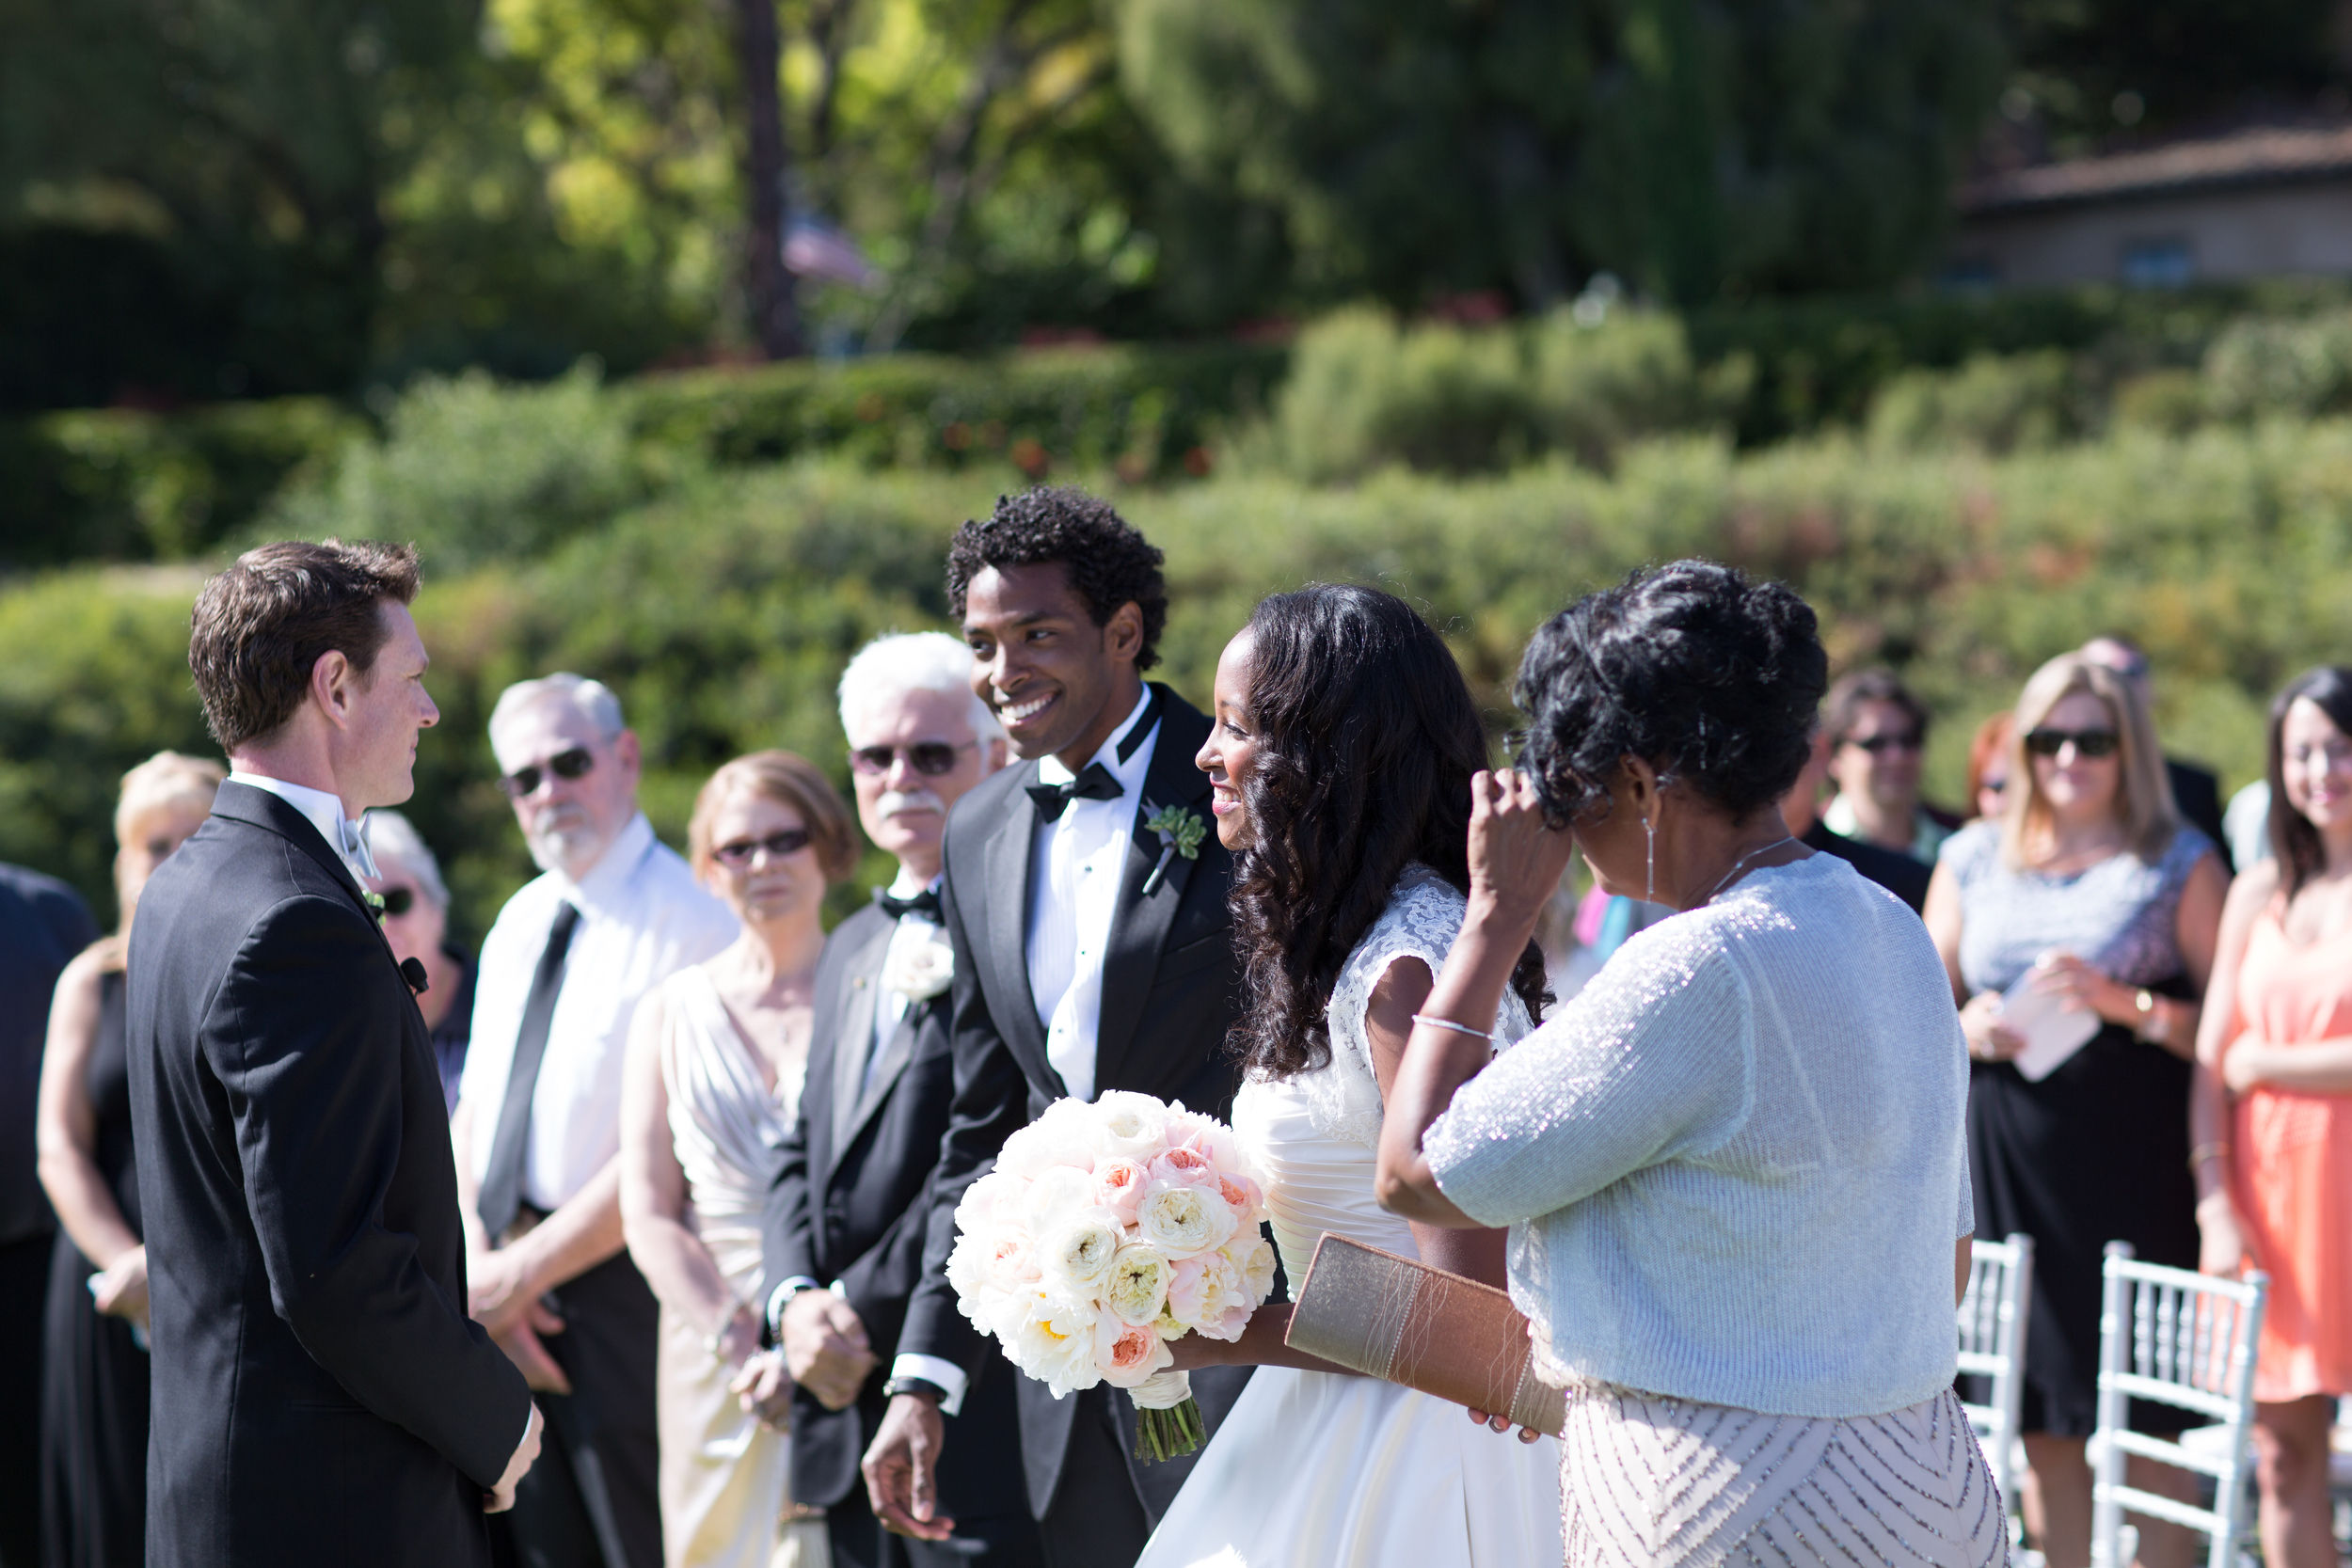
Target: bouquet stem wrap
{"points": [[1167, 1417]]}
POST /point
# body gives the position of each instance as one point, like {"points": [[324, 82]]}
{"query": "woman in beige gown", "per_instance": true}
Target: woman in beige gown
{"points": [[713, 1082]]}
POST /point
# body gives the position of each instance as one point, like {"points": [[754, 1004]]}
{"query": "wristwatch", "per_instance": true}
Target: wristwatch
{"points": [[2154, 1026], [898, 1386]]}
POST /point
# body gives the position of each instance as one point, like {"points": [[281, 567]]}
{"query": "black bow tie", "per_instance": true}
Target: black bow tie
{"points": [[1095, 784], [925, 903]]}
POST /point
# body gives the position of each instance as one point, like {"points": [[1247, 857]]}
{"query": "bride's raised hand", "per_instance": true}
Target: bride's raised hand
{"points": [[1517, 858]]}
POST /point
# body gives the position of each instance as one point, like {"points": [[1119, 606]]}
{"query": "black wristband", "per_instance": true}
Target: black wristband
{"points": [[898, 1386]]}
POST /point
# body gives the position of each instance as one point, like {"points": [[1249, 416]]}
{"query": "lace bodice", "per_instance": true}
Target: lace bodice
{"points": [[1316, 1135]]}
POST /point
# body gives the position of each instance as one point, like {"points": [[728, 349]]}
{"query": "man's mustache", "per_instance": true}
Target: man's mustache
{"points": [[894, 802]]}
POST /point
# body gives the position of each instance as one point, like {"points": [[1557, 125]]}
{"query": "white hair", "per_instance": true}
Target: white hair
{"points": [[891, 665], [393, 837], [591, 699]]}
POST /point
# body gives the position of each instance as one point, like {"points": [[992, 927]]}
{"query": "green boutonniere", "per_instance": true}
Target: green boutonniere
{"points": [[1180, 832], [375, 902]]}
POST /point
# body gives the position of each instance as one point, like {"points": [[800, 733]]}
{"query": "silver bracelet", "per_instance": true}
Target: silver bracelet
{"points": [[1436, 1022]]}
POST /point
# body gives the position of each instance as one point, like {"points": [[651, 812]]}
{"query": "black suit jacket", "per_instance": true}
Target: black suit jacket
{"points": [[1893, 870], [849, 1208], [2198, 794], [1169, 991], [320, 1394], [43, 923]]}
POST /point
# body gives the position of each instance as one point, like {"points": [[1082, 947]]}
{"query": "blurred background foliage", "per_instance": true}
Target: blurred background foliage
{"points": [[1486, 302]]}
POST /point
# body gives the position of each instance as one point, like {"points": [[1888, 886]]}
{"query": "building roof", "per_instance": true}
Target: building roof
{"points": [[2257, 157]]}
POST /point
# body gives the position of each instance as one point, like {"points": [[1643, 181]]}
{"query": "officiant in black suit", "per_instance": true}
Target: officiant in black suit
{"points": [[1090, 954], [846, 1228], [319, 1393]]}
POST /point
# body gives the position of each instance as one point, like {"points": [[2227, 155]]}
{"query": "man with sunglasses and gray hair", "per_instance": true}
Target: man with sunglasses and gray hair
{"points": [[845, 1230], [537, 1126]]}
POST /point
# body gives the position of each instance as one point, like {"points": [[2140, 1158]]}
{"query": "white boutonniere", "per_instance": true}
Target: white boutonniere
{"points": [[919, 971], [1180, 832]]}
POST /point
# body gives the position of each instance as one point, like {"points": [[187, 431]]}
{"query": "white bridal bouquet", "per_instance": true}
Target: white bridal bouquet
{"points": [[1106, 1231]]}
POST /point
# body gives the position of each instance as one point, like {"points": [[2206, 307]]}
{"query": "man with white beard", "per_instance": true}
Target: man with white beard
{"points": [[537, 1126], [845, 1233]]}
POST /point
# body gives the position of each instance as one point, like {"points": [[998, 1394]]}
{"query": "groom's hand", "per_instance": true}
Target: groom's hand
{"points": [[825, 1348], [501, 1497], [901, 1466]]}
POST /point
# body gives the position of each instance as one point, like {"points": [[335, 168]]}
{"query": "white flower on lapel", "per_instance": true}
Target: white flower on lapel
{"points": [[920, 971]]}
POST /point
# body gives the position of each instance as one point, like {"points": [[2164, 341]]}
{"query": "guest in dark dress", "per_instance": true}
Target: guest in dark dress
{"points": [[415, 923], [93, 1464], [2091, 885]]}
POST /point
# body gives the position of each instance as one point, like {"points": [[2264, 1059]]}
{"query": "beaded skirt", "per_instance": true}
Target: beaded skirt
{"points": [[1648, 1479]]}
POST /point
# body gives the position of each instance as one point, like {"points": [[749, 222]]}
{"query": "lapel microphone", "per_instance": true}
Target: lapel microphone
{"points": [[412, 970]]}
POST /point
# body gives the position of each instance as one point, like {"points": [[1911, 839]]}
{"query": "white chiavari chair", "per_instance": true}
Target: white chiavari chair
{"points": [[2188, 1341], [1992, 1319]]}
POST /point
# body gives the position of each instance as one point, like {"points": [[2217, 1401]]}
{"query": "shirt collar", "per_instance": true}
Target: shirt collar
{"points": [[1129, 773], [319, 808], [607, 881], [905, 886]]}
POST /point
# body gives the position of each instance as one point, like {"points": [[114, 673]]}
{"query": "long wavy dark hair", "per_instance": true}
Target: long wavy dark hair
{"points": [[1366, 740], [2293, 838]]}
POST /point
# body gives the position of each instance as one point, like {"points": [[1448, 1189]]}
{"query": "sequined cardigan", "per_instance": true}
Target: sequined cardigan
{"points": [[1733, 1165]]}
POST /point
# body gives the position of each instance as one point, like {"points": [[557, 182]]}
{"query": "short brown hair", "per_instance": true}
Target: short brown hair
{"points": [[263, 624], [792, 781], [1842, 709]]}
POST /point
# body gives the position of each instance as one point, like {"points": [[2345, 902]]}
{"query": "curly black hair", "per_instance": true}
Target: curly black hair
{"points": [[1366, 740], [1109, 563], [1712, 679]]}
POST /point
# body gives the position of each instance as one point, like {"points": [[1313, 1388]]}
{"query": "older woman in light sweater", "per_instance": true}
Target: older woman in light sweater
{"points": [[1733, 1165]]}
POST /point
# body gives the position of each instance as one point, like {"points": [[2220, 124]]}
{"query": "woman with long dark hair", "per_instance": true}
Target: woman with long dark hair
{"points": [[2270, 1108], [1342, 760]]}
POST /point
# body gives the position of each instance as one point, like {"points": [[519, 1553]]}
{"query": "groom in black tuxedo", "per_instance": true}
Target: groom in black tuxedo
{"points": [[1089, 954], [319, 1394]]}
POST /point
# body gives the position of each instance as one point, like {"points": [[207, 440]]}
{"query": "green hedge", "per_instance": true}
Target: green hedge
{"points": [[723, 611]]}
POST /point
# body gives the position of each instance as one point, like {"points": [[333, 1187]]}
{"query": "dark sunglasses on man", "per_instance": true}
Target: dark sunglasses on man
{"points": [[398, 901], [2087, 743], [1878, 745], [573, 764], [780, 845], [930, 758]]}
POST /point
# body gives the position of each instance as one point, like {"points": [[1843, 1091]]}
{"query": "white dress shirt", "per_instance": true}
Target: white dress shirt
{"points": [[1075, 864], [323, 812], [643, 918]]}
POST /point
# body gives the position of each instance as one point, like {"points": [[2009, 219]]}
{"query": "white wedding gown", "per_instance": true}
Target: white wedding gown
{"points": [[1315, 1469]]}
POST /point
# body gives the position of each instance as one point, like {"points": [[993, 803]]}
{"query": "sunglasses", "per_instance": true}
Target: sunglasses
{"points": [[398, 901], [1994, 786], [791, 841], [930, 758], [2087, 743], [1905, 740], [525, 782]]}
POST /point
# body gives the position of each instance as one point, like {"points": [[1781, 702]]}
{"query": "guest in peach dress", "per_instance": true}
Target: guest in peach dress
{"points": [[2272, 1109]]}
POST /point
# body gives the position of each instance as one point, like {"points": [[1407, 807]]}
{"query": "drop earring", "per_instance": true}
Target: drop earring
{"points": [[1649, 881]]}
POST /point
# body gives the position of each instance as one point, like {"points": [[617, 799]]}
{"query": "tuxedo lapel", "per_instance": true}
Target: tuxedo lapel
{"points": [[892, 1061], [259, 808], [1139, 924], [1003, 935], [853, 1027]]}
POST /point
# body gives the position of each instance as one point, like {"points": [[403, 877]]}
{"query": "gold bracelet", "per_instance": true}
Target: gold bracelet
{"points": [[2204, 1152]]}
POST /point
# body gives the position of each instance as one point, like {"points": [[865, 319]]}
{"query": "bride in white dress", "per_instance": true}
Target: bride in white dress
{"points": [[1341, 756]]}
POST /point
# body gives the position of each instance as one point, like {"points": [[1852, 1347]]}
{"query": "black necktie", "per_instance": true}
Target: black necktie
{"points": [[502, 1183], [925, 903], [1095, 784]]}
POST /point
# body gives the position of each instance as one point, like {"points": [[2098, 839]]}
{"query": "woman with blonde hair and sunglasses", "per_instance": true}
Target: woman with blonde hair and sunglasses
{"points": [[2089, 890], [94, 1377], [710, 1087]]}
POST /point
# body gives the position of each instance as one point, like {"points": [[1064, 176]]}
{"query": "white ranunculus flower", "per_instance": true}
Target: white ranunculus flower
{"points": [[1137, 1288], [1075, 1250], [1182, 1219], [1129, 1126], [919, 971], [1057, 1192], [995, 1198], [1253, 1255], [1051, 1337], [1064, 1135]]}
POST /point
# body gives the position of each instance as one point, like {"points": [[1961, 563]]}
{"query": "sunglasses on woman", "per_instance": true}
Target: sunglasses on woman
{"points": [[525, 782], [930, 758], [791, 841], [2087, 743]]}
